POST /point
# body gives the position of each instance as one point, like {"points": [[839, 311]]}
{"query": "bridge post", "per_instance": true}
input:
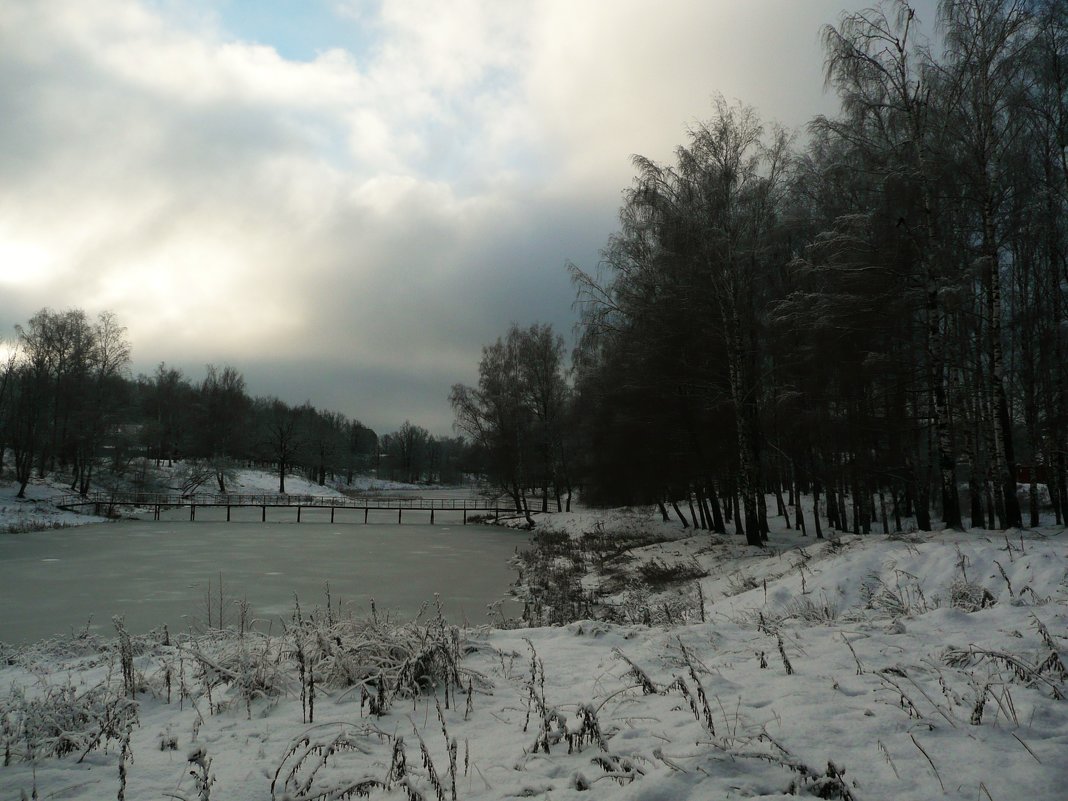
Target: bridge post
{"points": [[331, 515], [399, 512], [365, 510], [298, 512], [156, 517], [192, 512], [263, 517], [227, 513], [465, 513], [431, 515]]}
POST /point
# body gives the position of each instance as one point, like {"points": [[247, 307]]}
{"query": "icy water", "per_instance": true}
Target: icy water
{"points": [[54, 582]]}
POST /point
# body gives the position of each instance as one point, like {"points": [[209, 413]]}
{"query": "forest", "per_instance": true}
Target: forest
{"points": [[872, 312], [69, 409]]}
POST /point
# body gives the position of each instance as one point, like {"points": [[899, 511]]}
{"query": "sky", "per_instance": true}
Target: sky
{"points": [[347, 199]]}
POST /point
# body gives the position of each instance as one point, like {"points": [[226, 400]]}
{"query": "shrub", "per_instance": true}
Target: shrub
{"points": [[62, 720], [657, 572]]}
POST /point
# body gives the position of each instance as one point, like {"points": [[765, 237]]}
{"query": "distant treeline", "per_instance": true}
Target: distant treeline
{"points": [[69, 407], [876, 316]]}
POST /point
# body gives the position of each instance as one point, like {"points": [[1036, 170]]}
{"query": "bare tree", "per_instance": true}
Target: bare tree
{"points": [[986, 41], [282, 434], [514, 413], [221, 424], [886, 83]]}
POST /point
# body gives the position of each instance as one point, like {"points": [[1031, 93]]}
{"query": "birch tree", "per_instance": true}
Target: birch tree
{"points": [[890, 102]]}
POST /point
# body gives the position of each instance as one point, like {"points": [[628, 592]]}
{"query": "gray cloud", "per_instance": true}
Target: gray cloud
{"points": [[351, 229]]}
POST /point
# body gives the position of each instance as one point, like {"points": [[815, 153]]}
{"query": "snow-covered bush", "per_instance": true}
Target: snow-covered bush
{"points": [[62, 720]]}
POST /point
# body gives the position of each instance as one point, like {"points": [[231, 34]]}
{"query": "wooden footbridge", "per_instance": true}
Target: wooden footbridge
{"points": [[108, 504]]}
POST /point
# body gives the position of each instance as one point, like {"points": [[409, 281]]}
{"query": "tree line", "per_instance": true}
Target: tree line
{"points": [[68, 407], [875, 316]]}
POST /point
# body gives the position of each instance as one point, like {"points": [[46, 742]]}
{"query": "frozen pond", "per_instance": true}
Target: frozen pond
{"points": [[53, 582]]}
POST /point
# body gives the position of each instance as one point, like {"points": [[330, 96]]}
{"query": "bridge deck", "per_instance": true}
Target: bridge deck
{"points": [[103, 502]]}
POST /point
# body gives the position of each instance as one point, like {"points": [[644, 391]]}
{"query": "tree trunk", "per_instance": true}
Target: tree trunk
{"points": [[816, 508], [832, 509], [923, 507], [702, 508], [843, 514], [682, 517], [693, 513], [783, 511], [947, 463], [717, 515], [1002, 424]]}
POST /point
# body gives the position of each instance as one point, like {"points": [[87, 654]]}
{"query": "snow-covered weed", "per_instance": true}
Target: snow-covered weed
{"points": [[603, 546], [382, 660], [61, 720], [550, 580], [200, 770], [1043, 669], [808, 610], [84, 645], [656, 572], [26, 525], [252, 667], [904, 598], [970, 597], [740, 582], [638, 603], [313, 765]]}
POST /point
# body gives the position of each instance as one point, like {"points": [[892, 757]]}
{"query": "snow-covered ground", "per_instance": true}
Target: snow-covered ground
{"points": [[872, 667], [38, 511]]}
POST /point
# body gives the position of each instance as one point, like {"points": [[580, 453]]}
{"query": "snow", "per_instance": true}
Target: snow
{"points": [[258, 482], [38, 511], [869, 667]]}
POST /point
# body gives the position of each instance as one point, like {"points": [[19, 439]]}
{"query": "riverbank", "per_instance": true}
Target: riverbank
{"points": [[864, 667], [37, 511]]}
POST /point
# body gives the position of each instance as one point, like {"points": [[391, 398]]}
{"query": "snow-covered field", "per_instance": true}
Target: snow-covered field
{"points": [[907, 667], [38, 511]]}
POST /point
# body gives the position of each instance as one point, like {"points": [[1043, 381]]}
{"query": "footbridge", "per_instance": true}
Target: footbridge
{"points": [[424, 509]]}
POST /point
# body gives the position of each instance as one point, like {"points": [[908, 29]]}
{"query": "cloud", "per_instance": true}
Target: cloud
{"points": [[375, 212]]}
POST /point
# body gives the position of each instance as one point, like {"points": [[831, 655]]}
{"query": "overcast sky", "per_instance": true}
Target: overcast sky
{"points": [[345, 199]]}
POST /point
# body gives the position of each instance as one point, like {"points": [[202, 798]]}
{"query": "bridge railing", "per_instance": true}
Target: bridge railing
{"points": [[150, 499]]}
